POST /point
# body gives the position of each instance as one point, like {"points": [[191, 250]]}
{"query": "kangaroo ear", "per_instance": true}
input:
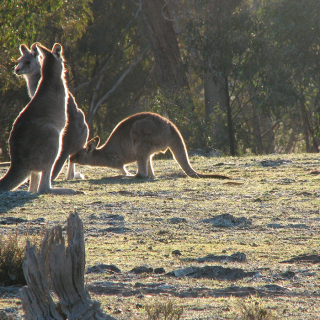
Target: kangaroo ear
{"points": [[97, 140], [34, 50], [23, 49], [92, 145], [57, 51], [42, 49]]}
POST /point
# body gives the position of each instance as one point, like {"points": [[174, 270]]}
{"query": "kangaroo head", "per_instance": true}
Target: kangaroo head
{"points": [[30, 61], [84, 155], [53, 59]]}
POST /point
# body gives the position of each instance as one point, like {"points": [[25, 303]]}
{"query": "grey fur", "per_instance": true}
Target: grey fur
{"points": [[76, 131], [137, 139], [36, 135]]}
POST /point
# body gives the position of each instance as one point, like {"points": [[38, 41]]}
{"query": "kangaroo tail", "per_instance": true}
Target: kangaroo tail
{"points": [[13, 178], [179, 151], [213, 176]]}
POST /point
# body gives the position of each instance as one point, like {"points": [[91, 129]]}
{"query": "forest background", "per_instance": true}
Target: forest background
{"points": [[240, 76]]}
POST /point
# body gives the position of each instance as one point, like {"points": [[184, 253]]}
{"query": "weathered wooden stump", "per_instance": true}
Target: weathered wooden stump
{"points": [[60, 269]]}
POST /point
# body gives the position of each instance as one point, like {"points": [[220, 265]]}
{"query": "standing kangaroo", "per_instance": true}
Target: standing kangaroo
{"points": [[36, 135], [138, 138], [76, 131]]}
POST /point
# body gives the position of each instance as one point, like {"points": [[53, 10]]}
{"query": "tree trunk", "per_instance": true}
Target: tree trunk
{"points": [[213, 93], [256, 130], [305, 126], [172, 78], [232, 139], [62, 269]]}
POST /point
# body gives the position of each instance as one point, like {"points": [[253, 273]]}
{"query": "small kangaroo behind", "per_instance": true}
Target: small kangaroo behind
{"points": [[76, 131], [36, 135], [138, 138]]}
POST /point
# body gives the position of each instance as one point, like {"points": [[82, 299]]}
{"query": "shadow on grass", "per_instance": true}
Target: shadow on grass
{"points": [[13, 199], [125, 180]]}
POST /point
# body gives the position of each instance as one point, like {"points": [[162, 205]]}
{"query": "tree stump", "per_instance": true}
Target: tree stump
{"points": [[60, 269]]}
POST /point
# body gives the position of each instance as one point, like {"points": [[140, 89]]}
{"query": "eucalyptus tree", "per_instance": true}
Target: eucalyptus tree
{"points": [[221, 45], [292, 79], [109, 67]]}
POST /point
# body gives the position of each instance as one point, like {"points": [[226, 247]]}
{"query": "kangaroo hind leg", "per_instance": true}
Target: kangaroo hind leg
{"points": [[150, 168], [45, 185], [34, 182]]}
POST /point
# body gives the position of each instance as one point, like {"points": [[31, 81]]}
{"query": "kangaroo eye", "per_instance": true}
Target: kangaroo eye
{"points": [[27, 62]]}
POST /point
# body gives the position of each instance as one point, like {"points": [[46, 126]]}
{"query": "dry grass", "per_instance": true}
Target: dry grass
{"points": [[164, 311], [129, 223], [253, 309]]}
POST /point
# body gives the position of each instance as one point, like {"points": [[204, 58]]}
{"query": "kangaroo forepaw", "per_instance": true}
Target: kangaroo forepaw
{"points": [[78, 175]]}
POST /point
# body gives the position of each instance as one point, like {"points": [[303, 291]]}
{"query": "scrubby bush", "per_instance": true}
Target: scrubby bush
{"points": [[164, 311], [11, 259]]}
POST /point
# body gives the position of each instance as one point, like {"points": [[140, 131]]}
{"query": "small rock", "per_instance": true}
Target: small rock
{"points": [[141, 269], [117, 229], [313, 258], [298, 226], [117, 311], [274, 225], [275, 287], [12, 220], [183, 272], [159, 270], [288, 274], [227, 220], [100, 268], [165, 286], [177, 220], [176, 252]]}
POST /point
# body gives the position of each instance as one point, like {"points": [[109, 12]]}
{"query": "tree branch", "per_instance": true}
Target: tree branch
{"points": [[94, 109]]}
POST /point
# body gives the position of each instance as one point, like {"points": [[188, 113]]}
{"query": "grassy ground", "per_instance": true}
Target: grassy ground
{"points": [[130, 223]]}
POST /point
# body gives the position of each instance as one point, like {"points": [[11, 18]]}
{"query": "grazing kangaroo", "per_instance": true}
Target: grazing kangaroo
{"points": [[36, 135], [76, 131], [138, 138]]}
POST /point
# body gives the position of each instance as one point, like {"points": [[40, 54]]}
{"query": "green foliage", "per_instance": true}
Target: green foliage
{"points": [[164, 311], [11, 259], [263, 54]]}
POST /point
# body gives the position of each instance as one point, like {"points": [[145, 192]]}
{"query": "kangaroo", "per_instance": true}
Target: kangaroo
{"points": [[137, 139], [36, 135], [76, 131]]}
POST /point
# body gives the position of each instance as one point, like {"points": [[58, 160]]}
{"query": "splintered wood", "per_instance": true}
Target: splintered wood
{"points": [[60, 269]]}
